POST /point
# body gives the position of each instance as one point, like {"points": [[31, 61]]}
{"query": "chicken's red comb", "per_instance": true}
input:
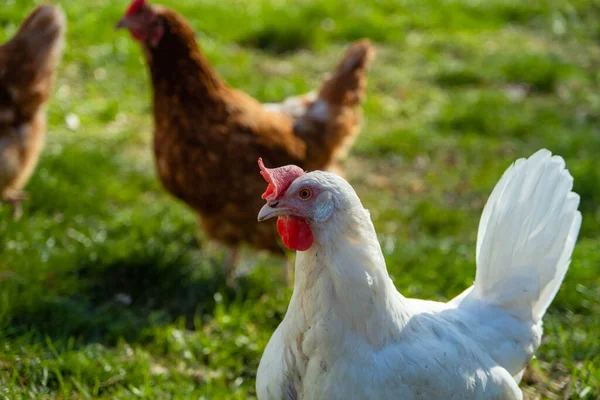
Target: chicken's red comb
{"points": [[134, 6], [279, 179]]}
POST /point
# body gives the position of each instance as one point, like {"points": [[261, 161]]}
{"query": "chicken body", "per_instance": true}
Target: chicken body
{"points": [[349, 334], [28, 65], [208, 135]]}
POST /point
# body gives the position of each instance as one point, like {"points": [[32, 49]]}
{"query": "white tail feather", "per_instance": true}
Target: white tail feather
{"points": [[526, 236]]}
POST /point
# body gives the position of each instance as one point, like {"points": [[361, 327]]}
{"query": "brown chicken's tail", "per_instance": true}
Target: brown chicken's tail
{"points": [[41, 38], [346, 87]]}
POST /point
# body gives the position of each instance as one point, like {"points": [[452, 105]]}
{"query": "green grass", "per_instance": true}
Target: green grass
{"points": [[104, 289]]}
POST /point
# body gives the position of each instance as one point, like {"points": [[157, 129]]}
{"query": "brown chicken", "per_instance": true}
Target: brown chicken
{"points": [[208, 136], [28, 64]]}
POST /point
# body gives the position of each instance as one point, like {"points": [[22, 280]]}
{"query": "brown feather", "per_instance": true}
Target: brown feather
{"points": [[209, 136], [28, 63]]}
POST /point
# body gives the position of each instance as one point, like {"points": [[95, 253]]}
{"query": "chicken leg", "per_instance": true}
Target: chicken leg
{"points": [[232, 259], [288, 272], [15, 198]]}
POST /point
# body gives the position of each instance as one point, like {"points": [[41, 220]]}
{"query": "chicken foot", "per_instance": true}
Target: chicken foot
{"points": [[15, 198]]}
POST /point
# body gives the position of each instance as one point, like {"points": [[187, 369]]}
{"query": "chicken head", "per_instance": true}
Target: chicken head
{"points": [[301, 201], [142, 22]]}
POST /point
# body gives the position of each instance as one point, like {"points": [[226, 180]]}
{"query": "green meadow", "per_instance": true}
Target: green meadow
{"points": [[108, 291]]}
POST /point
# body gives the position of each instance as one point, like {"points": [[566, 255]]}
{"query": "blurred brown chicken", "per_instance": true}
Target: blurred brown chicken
{"points": [[208, 136], [28, 64]]}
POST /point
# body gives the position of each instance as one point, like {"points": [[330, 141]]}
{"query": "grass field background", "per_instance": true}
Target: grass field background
{"points": [[105, 291]]}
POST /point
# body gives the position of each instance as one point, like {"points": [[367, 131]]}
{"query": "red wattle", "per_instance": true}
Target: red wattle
{"points": [[295, 233]]}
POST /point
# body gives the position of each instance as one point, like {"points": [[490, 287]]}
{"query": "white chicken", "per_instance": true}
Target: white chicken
{"points": [[349, 334]]}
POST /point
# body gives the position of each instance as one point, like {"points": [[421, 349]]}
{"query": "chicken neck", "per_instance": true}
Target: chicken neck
{"points": [[342, 281], [178, 66]]}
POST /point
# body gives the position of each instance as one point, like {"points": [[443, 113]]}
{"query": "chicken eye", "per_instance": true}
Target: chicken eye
{"points": [[304, 194]]}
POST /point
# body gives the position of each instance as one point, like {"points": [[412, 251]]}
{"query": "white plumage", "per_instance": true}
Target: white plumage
{"points": [[348, 333]]}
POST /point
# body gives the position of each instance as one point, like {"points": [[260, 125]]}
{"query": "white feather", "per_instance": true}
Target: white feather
{"points": [[526, 236], [295, 106], [349, 334]]}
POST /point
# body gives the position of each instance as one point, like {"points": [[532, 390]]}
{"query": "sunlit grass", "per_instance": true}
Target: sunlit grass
{"points": [[105, 291]]}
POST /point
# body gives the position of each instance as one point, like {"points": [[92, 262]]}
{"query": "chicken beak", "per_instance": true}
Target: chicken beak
{"points": [[123, 23], [271, 210]]}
